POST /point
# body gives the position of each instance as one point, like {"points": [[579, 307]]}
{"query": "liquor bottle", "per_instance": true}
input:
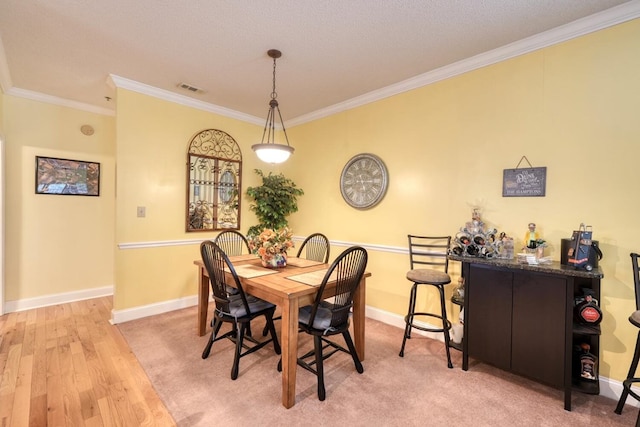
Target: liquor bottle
{"points": [[585, 309], [588, 364]]}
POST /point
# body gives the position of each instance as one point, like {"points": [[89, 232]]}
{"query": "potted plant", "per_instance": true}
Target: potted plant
{"points": [[272, 202]]}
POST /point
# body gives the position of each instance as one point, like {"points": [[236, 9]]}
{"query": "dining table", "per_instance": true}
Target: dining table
{"points": [[290, 287]]}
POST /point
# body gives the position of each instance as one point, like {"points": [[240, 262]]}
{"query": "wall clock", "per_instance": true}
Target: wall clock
{"points": [[364, 181]]}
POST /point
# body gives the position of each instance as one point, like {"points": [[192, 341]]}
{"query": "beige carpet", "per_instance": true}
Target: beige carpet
{"points": [[415, 390]]}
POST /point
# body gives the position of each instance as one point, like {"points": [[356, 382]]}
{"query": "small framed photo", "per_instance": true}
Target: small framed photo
{"points": [[67, 177]]}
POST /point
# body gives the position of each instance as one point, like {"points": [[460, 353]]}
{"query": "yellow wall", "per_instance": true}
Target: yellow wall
{"points": [[153, 137], [571, 107], [56, 244]]}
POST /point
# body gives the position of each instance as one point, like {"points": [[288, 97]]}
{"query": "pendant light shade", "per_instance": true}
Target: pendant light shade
{"points": [[272, 153], [268, 151]]}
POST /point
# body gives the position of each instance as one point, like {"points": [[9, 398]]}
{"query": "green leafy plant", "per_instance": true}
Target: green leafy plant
{"points": [[272, 202]]}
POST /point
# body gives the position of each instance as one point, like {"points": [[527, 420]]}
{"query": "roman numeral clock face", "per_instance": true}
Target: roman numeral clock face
{"points": [[364, 181]]}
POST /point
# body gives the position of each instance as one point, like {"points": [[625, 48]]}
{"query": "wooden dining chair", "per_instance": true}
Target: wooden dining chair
{"points": [[328, 317], [239, 311]]}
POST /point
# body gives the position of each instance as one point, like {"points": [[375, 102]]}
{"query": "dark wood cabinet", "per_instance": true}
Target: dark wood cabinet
{"points": [[539, 327], [488, 318], [520, 318]]}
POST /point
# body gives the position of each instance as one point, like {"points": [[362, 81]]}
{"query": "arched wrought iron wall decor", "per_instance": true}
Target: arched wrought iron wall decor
{"points": [[214, 171]]}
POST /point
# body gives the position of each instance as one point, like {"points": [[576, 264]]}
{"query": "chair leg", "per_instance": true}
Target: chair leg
{"points": [[265, 330], [631, 374], [445, 326], [317, 340], [214, 332], [236, 357], [352, 350], [413, 297], [409, 318], [270, 327]]}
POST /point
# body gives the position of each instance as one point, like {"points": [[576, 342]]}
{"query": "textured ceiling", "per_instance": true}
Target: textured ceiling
{"points": [[333, 50]]}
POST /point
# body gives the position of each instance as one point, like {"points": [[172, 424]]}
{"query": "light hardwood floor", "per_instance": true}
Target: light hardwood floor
{"points": [[66, 365]]}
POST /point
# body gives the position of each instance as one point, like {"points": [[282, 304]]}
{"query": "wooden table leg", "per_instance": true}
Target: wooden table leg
{"points": [[289, 336], [359, 318], [203, 300]]}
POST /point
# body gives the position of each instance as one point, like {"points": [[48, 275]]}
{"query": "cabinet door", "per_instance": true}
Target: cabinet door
{"points": [[489, 315], [539, 327]]}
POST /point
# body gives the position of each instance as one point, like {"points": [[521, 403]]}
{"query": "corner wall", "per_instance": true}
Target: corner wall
{"points": [[56, 244]]}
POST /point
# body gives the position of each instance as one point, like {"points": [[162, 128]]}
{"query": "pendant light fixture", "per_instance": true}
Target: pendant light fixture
{"points": [[268, 151]]}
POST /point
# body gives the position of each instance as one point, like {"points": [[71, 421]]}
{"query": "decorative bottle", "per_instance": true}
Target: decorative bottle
{"points": [[585, 309], [588, 364]]}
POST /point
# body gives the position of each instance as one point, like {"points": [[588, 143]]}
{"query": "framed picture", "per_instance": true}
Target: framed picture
{"points": [[67, 177]]}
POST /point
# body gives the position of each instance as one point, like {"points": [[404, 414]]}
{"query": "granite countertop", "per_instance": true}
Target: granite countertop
{"points": [[554, 268]]}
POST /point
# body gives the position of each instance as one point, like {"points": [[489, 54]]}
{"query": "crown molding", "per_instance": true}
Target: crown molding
{"points": [[41, 97], [123, 83], [616, 15]]}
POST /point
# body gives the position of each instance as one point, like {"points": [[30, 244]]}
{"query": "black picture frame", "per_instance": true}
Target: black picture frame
{"points": [[67, 177]]}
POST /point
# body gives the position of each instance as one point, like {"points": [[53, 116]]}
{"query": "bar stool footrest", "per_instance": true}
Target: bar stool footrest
{"points": [[627, 384], [424, 328]]}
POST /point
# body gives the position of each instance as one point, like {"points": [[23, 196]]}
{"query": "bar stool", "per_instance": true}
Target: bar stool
{"points": [[635, 321], [432, 251]]}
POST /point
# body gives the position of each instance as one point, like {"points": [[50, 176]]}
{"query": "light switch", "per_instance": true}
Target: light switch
{"points": [[142, 211]]}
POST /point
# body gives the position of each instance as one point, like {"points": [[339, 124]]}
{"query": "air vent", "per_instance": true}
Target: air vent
{"points": [[190, 88]]}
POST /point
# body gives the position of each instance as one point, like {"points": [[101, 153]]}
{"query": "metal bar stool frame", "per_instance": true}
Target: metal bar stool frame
{"points": [[634, 319], [431, 251]]}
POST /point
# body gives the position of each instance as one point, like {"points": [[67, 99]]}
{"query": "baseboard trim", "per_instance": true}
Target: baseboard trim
{"points": [[609, 388], [121, 316], [53, 299]]}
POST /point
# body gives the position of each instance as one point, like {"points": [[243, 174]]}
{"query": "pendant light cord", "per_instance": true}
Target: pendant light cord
{"points": [[274, 95]]}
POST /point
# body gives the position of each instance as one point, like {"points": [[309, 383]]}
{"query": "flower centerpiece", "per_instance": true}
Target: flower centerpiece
{"points": [[271, 246]]}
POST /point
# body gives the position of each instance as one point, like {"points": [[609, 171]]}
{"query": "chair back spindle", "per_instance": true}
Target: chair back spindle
{"points": [[315, 247], [636, 277], [232, 243]]}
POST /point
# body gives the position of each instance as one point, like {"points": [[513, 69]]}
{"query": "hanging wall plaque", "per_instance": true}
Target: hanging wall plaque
{"points": [[524, 182]]}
